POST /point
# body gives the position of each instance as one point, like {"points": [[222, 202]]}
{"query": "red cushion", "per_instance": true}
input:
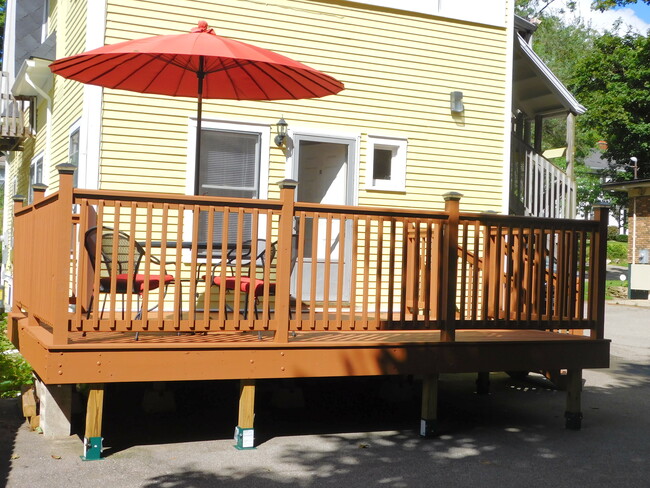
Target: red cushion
{"points": [[121, 281], [245, 284]]}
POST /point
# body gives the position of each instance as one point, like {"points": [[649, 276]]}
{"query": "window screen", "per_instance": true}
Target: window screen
{"points": [[230, 164]]}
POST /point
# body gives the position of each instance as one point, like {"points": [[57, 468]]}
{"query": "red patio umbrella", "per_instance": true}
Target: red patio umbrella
{"points": [[198, 64]]}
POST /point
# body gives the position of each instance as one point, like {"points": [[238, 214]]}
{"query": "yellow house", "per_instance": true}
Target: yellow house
{"points": [[439, 97]]}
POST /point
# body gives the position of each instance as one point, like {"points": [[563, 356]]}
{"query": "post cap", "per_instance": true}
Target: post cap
{"points": [[19, 198], [453, 196], [66, 168], [39, 187], [288, 183]]}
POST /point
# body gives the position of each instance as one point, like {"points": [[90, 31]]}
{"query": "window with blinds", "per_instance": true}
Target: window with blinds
{"points": [[230, 165]]}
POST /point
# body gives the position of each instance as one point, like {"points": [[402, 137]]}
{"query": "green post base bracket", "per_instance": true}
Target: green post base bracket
{"points": [[92, 449], [244, 438], [428, 428]]}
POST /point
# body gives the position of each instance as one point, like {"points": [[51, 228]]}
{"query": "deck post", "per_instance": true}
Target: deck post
{"points": [[61, 246], [283, 270], [598, 272], [450, 267], [483, 383], [429, 420], [19, 269], [573, 413], [245, 432], [93, 434], [39, 192]]}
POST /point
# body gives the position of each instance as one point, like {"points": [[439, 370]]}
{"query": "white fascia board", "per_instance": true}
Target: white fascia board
{"points": [[552, 81]]}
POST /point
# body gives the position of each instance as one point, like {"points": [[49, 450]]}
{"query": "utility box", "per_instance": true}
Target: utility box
{"points": [[639, 281]]}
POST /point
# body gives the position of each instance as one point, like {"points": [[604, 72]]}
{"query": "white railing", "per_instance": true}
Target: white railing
{"points": [[537, 186], [12, 111]]}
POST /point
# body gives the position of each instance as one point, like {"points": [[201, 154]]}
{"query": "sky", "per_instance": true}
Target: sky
{"points": [[637, 16]]}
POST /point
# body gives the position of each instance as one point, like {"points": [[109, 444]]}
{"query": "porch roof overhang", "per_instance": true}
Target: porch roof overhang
{"points": [[632, 187], [33, 73], [536, 90]]}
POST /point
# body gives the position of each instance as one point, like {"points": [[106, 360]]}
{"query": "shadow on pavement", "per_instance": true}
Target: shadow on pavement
{"points": [[10, 421]]}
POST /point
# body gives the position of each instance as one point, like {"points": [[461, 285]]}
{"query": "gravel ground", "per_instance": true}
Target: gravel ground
{"points": [[347, 437]]}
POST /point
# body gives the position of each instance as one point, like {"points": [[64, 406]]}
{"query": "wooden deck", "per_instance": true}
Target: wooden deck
{"points": [[382, 292]]}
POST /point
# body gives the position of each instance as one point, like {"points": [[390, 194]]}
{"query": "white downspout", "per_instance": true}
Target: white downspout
{"points": [[48, 130]]}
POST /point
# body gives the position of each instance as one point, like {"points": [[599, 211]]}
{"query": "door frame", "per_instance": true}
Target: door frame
{"points": [[352, 193], [297, 135]]}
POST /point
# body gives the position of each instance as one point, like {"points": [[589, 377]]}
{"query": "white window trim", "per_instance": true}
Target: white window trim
{"points": [[265, 135], [39, 157], [398, 163], [81, 175]]}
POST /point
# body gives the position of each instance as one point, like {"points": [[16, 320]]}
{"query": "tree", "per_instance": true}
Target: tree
{"points": [[3, 15], [603, 5], [612, 82]]}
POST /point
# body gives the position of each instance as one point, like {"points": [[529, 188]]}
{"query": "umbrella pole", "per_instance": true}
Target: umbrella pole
{"points": [[197, 153]]}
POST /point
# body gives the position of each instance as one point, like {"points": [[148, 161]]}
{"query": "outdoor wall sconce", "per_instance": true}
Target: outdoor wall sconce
{"points": [[456, 102], [281, 126]]}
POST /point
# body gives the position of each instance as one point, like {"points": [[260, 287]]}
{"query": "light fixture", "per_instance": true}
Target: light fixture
{"points": [[456, 102], [281, 126]]}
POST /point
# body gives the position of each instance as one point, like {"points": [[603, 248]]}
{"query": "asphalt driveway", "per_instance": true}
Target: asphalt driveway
{"points": [[349, 435]]}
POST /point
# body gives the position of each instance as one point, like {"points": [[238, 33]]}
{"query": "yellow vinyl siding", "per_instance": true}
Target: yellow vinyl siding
{"points": [[68, 95], [398, 69]]}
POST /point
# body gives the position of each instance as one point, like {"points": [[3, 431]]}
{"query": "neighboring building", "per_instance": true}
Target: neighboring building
{"points": [[399, 67], [638, 251]]}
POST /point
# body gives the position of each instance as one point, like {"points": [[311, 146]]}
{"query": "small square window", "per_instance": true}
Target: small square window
{"points": [[386, 166]]}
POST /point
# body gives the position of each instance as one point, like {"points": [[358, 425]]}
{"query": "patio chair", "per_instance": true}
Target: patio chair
{"points": [[120, 268], [247, 283]]}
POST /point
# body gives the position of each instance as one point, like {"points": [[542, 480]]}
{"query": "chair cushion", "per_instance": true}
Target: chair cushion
{"points": [[245, 284], [122, 280]]}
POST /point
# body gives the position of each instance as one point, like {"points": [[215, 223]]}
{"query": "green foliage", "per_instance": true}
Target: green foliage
{"points": [[617, 252], [612, 232], [14, 370], [603, 5], [612, 81], [3, 18]]}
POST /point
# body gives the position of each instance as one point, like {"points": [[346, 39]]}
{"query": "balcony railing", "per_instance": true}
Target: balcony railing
{"points": [[14, 125], [330, 268], [538, 187]]}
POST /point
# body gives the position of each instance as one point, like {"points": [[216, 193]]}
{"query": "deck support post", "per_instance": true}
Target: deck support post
{"points": [[244, 432], [93, 435], [483, 383], [429, 420], [573, 414]]}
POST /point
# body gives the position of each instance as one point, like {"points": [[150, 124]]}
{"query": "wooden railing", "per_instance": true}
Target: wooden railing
{"points": [[14, 126], [326, 268], [538, 187]]}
